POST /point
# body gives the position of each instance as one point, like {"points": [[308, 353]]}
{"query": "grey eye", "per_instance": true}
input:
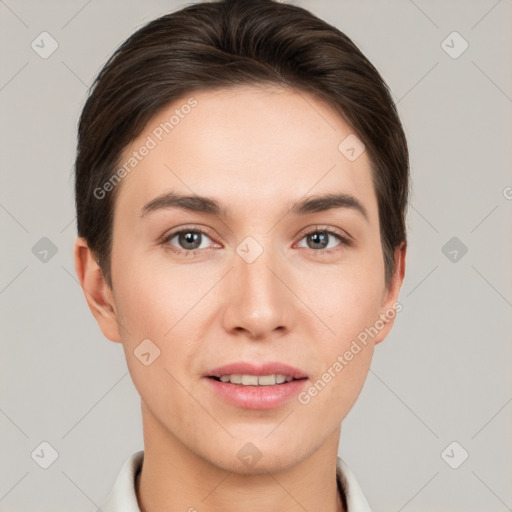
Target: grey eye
{"points": [[320, 240], [189, 239]]}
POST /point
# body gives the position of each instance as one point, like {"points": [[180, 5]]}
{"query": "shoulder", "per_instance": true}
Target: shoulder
{"points": [[355, 499], [122, 497]]}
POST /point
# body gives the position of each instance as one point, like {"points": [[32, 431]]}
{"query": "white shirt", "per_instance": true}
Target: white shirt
{"points": [[122, 497]]}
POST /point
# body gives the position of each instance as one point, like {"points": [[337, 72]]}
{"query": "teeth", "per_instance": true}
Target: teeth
{"points": [[250, 380], [255, 380]]}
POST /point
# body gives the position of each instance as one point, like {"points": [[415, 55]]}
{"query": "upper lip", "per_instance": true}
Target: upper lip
{"points": [[270, 368]]}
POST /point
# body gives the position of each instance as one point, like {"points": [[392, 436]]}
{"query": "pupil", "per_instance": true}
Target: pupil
{"points": [[319, 238], [190, 240]]}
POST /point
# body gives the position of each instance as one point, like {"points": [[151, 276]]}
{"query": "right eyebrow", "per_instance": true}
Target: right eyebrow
{"points": [[193, 203]]}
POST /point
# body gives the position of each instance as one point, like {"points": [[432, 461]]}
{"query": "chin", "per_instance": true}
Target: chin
{"points": [[261, 456]]}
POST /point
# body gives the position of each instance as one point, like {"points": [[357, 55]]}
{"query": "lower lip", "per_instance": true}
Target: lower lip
{"points": [[257, 397]]}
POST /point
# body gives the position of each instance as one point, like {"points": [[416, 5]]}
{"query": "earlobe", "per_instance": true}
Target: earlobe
{"points": [[97, 293], [391, 305]]}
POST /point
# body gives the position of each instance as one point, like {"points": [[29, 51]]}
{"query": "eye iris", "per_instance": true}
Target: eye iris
{"points": [[190, 239], [320, 238]]}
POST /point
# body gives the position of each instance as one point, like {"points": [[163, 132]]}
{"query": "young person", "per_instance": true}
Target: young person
{"points": [[241, 187]]}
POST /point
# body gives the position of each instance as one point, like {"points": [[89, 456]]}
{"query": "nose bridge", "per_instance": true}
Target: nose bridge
{"points": [[257, 302]]}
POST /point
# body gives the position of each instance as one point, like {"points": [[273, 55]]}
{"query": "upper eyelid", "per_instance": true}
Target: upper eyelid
{"points": [[173, 233], [320, 228]]}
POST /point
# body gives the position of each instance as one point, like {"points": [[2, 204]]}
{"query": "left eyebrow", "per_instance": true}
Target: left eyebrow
{"points": [[328, 202], [202, 204]]}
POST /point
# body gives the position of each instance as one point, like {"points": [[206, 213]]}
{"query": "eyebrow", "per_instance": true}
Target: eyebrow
{"points": [[202, 204]]}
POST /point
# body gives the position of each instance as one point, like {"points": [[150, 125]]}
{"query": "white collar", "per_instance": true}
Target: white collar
{"points": [[122, 497]]}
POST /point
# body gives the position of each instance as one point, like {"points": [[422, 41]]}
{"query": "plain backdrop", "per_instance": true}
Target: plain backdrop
{"points": [[431, 429]]}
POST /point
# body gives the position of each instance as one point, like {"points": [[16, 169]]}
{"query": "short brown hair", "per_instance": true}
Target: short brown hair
{"points": [[226, 43]]}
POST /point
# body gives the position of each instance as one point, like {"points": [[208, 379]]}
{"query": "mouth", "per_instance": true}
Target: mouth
{"points": [[250, 374], [255, 380], [250, 386]]}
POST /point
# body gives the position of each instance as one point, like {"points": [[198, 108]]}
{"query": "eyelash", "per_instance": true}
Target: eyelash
{"points": [[344, 241]]}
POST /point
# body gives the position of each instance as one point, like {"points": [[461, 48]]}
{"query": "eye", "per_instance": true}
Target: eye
{"points": [[324, 239], [187, 241], [191, 241]]}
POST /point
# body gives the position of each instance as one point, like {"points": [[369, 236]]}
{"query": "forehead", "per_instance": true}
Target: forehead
{"points": [[245, 145]]}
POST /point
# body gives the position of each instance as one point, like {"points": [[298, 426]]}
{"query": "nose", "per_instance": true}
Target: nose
{"points": [[258, 303]]}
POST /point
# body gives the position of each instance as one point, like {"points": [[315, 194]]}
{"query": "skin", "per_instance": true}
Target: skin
{"points": [[256, 150]]}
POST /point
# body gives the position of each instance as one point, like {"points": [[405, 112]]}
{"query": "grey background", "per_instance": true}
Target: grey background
{"points": [[444, 373]]}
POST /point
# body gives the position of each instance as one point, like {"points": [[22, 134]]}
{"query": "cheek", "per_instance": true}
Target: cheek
{"points": [[348, 303], [346, 299], [163, 303], [152, 295], [152, 305]]}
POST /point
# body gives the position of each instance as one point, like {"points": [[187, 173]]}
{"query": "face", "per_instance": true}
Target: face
{"points": [[261, 273]]}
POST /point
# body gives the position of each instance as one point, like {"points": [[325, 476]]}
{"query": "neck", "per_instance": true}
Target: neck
{"points": [[173, 477]]}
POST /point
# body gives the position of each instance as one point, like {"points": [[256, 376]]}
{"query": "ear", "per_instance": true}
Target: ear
{"points": [[97, 293], [390, 304]]}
